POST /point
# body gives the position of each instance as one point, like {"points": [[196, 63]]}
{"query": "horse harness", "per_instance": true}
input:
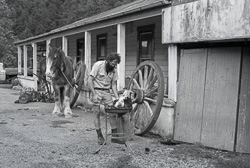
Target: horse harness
{"points": [[68, 81]]}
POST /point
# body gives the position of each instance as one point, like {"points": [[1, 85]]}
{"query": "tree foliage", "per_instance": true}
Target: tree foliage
{"points": [[20, 19], [7, 50], [34, 17]]}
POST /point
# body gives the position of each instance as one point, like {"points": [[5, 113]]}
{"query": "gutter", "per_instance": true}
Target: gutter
{"points": [[87, 21]]}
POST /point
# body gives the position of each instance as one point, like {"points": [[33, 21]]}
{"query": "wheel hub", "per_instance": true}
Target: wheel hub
{"points": [[138, 96]]}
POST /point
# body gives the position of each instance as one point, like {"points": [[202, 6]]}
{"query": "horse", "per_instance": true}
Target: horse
{"points": [[59, 68]]}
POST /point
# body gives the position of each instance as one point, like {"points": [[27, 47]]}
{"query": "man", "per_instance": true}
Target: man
{"points": [[103, 77]]}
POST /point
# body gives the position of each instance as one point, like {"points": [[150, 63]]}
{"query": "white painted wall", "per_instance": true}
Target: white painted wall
{"points": [[28, 83]]}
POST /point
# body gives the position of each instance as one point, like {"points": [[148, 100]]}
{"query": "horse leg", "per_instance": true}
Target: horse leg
{"points": [[57, 108], [66, 102]]}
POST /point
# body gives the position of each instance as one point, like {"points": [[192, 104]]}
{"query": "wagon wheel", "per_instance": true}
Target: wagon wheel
{"points": [[147, 86], [79, 79], [49, 94], [45, 89]]}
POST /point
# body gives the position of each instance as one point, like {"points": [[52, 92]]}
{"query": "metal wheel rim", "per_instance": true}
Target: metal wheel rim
{"points": [[80, 73]]}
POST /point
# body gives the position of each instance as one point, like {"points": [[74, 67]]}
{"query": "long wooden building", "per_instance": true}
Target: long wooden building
{"points": [[201, 46]]}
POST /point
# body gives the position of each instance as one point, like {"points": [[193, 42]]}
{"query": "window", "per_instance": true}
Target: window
{"points": [[146, 43], [80, 49], [101, 47]]}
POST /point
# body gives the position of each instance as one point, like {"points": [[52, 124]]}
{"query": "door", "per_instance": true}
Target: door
{"points": [[190, 95], [243, 133], [207, 99], [221, 98]]}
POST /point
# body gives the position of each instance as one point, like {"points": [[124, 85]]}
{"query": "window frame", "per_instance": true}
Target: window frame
{"points": [[98, 47], [140, 31], [80, 57]]}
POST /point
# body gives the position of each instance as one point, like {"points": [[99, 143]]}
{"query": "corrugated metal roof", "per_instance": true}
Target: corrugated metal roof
{"points": [[129, 8]]}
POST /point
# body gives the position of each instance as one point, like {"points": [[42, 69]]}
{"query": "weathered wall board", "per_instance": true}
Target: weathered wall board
{"points": [[206, 20], [221, 98], [243, 136], [190, 95]]}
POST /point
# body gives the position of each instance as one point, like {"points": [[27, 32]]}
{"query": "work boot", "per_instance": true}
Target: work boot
{"points": [[115, 137], [100, 140]]}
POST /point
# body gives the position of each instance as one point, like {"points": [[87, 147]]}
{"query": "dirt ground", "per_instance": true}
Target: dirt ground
{"points": [[31, 138]]}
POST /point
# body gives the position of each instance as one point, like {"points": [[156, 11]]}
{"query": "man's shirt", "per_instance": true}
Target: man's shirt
{"points": [[101, 78]]}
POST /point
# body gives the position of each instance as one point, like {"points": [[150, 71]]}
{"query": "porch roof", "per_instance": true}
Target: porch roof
{"points": [[136, 6]]}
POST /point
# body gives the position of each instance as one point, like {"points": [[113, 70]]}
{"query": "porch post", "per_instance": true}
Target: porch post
{"points": [[25, 60], [47, 47], [172, 71], [47, 54], [34, 46], [19, 50], [65, 45], [121, 50], [87, 55]]}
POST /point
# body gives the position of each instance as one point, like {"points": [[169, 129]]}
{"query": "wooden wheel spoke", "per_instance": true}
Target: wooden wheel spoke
{"points": [[150, 100], [145, 76], [150, 92], [131, 86], [78, 73], [140, 79], [137, 86], [150, 77], [135, 106], [136, 117], [142, 118], [143, 115], [152, 82], [146, 115], [148, 108]]}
